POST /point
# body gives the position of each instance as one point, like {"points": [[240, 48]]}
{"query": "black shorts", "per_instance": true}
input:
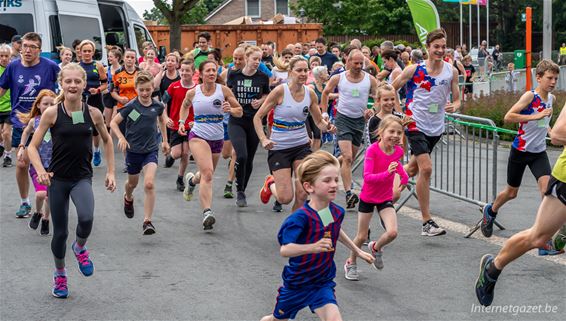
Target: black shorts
{"points": [[280, 159], [421, 143], [368, 207], [538, 164], [108, 101], [557, 189], [176, 139], [95, 101], [5, 118]]}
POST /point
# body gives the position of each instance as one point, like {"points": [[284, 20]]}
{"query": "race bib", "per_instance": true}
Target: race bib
{"points": [[247, 82], [47, 137], [355, 92], [433, 108], [78, 117], [541, 123], [134, 115], [326, 216]]}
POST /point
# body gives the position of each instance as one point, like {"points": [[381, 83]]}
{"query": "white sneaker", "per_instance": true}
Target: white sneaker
{"points": [[188, 191], [430, 228], [351, 272]]}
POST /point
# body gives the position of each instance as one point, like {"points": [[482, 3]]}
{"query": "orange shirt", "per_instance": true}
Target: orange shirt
{"points": [[124, 84]]}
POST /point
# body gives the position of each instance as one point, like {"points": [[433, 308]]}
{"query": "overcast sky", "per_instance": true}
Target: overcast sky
{"points": [[141, 5]]}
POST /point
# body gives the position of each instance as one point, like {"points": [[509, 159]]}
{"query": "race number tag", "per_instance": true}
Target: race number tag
{"points": [[355, 92], [433, 108], [541, 123], [134, 115], [325, 216], [78, 117], [247, 82], [47, 137]]}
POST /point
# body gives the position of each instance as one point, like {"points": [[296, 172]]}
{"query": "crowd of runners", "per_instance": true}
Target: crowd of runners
{"points": [[60, 120]]}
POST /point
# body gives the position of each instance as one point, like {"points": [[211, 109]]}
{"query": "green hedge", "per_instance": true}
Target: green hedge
{"points": [[496, 105]]}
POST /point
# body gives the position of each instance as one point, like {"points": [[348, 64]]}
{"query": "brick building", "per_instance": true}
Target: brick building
{"points": [[255, 9]]}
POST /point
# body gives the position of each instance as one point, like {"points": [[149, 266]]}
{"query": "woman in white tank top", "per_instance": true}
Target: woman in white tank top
{"points": [[289, 142], [209, 101]]}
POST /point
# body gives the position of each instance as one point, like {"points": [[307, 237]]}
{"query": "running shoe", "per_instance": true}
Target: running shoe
{"points": [[180, 184], [277, 207], [484, 284], [430, 228], [378, 262], [24, 211], [128, 207], [228, 191], [265, 192], [44, 230], [97, 158], [351, 271], [60, 289], [208, 220], [148, 228], [549, 249], [352, 200], [559, 239], [7, 161], [241, 200], [169, 161], [486, 225], [34, 221], [85, 264], [189, 189]]}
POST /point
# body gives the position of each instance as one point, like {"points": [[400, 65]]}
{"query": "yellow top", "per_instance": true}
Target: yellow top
{"points": [[559, 170], [563, 51]]}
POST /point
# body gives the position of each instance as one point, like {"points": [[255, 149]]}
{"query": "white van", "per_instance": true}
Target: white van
{"points": [[105, 22]]}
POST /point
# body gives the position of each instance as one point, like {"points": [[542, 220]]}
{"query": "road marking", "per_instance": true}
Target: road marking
{"points": [[464, 229]]}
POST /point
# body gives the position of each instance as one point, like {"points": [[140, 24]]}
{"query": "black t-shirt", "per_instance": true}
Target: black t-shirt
{"points": [[247, 88], [469, 72], [373, 125], [141, 125], [328, 59], [165, 82]]}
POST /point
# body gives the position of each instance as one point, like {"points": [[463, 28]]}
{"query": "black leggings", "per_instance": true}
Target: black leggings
{"points": [[245, 142], [83, 199]]}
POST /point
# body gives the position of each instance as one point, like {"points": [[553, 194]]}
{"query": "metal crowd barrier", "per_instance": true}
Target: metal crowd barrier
{"points": [[464, 163]]}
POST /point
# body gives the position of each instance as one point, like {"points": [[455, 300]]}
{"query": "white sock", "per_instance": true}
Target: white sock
{"points": [[25, 200]]}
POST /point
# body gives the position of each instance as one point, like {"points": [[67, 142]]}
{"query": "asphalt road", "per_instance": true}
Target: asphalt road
{"points": [[183, 273]]}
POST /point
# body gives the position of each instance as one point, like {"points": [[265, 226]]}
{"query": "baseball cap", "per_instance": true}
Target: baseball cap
{"points": [[16, 38]]}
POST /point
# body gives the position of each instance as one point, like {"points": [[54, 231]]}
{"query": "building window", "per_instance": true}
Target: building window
{"points": [[282, 6], [253, 8]]}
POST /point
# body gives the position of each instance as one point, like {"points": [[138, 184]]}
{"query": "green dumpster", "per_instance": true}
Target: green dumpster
{"points": [[519, 59]]}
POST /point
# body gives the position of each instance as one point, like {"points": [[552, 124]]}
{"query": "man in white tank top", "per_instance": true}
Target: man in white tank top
{"points": [[354, 88], [430, 84]]}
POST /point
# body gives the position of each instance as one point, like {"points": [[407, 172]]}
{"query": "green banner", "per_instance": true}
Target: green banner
{"points": [[425, 17]]}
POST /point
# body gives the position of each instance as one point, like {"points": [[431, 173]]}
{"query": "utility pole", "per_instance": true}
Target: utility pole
{"points": [[547, 30]]}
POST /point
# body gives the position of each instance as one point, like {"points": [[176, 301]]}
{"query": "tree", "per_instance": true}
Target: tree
{"points": [[174, 14], [194, 16]]}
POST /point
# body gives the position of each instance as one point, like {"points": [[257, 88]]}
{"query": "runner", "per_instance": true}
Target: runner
{"points": [[96, 83], [382, 161], [320, 74], [354, 87], [209, 101], [533, 113], [429, 85], [289, 144], [66, 56], [45, 99], [140, 145], [70, 173], [551, 216], [174, 97], [168, 75], [149, 63], [114, 60], [25, 78], [5, 109], [251, 87], [308, 238]]}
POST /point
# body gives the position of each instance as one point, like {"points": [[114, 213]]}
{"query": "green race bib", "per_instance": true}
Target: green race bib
{"points": [[326, 216], [541, 123], [433, 108], [355, 92], [78, 117], [47, 137], [134, 115], [247, 82]]}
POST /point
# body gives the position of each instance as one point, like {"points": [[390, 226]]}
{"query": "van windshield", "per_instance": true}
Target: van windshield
{"points": [[14, 24]]}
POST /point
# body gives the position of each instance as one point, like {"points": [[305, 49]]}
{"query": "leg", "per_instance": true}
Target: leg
{"points": [[424, 164], [232, 168], [83, 199], [389, 218], [149, 189], [542, 183], [363, 225], [203, 158], [252, 142], [300, 194], [282, 188], [59, 204], [130, 185], [22, 168], [329, 312], [40, 200], [507, 194], [238, 137], [7, 138], [346, 149]]}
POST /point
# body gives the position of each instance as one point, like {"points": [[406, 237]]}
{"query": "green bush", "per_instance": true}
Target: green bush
{"points": [[496, 105]]}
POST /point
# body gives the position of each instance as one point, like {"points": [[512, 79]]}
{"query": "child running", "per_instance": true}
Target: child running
{"points": [[140, 145], [210, 101], [382, 162], [45, 99], [308, 238], [533, 113], [70, 173]]}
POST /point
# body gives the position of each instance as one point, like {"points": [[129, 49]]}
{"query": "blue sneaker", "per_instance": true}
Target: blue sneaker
{"points": [[484, 284], [96, 159], [60, 289], [85, 264], [24, 211], [487, 221], [549, 249]]}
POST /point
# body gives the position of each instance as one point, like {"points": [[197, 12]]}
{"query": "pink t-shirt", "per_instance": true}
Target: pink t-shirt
{"points": [[378, 182]]}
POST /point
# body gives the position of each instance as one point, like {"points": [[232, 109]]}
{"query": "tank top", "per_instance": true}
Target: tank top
{"points": [[166, 82], [72, 146], [426, 99], [208, 114], [531, 136], [46, 146], [92, 76], [289, 120], [353, 98], [559, 170]]}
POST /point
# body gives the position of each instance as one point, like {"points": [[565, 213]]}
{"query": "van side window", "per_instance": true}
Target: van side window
{"points": [[74, 27], [13, 24], [141, 37]]}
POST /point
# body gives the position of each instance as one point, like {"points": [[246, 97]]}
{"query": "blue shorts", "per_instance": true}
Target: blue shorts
{"points": [[136, 161], [17, 136], [226, 136], [289, 302]]}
